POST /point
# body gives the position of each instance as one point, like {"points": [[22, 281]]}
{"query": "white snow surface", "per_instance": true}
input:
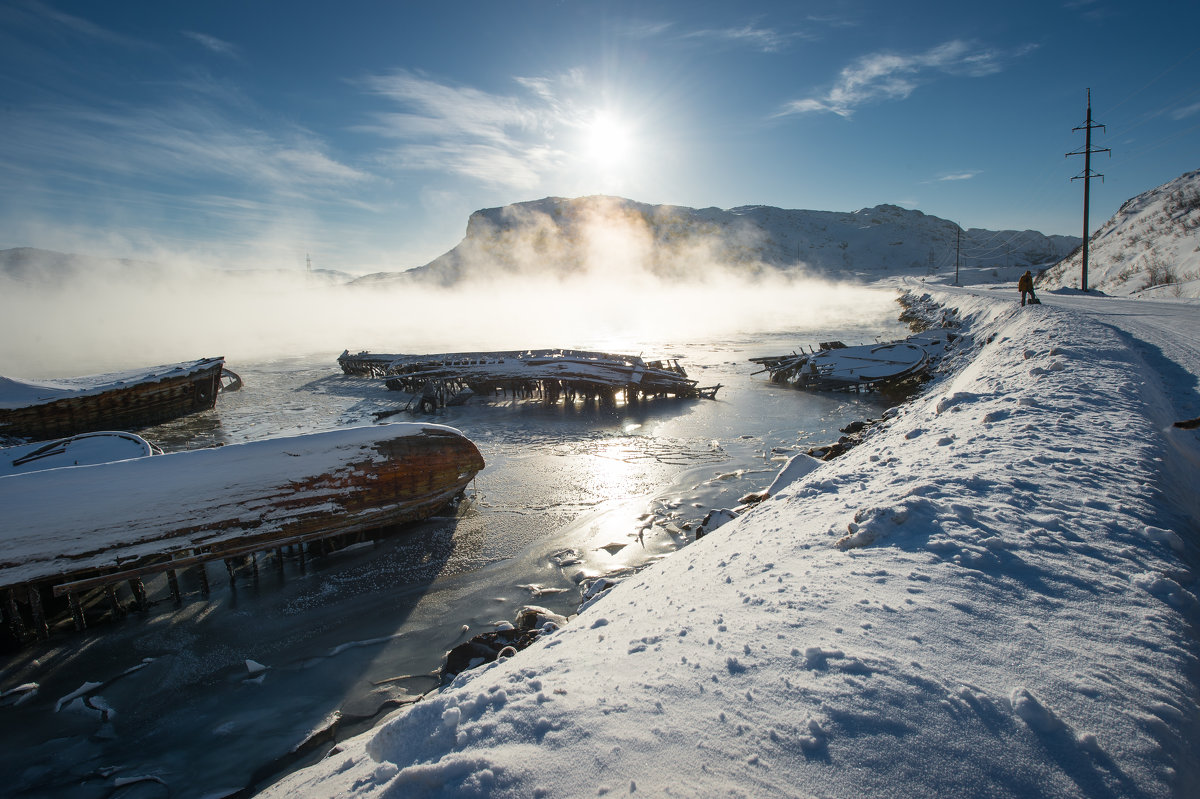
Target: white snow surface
{"points": [[992, 595]]}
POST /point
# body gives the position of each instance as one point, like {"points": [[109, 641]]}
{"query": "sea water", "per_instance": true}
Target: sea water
{"points": [[221, 695]]}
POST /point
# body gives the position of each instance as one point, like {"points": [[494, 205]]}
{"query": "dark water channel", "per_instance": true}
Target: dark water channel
{"points": [[208, 699]]}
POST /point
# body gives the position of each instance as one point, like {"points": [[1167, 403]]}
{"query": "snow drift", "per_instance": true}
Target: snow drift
{"points": [[989, 596]]}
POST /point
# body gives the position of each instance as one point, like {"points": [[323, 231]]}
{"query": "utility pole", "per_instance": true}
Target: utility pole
{"points": [[1086, 177], [957, 249]]}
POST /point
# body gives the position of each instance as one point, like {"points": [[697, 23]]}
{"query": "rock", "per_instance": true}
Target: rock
{"points": [[714, 519]]}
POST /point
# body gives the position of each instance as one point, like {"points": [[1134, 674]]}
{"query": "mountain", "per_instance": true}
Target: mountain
{"points": [[563, 236], [1150, 247], [34, 266]]}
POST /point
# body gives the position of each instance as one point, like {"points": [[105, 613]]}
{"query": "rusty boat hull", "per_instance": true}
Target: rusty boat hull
{"points": [[76, 528]]}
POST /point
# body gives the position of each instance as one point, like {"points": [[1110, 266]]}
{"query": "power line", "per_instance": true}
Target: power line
{"points": [[1086, 177]]}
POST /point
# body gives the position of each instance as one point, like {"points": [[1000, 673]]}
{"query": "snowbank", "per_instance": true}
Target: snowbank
{"points": [[985, 598]]}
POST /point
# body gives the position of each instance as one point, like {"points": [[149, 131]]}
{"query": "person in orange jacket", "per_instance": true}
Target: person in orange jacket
{"points": [[1025, 286]]}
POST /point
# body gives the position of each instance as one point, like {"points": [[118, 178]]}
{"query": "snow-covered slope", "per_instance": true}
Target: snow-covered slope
{"points": [[605, 235], [993, 595], [1150, 247]]}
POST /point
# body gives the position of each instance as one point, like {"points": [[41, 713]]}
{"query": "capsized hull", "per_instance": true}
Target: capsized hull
{"points": [[97, 522]]}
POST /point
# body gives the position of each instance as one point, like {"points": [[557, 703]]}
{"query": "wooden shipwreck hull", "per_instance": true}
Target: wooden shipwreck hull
{"points": [[833, 366], [551, 373], [118, 401], [72, 529]]}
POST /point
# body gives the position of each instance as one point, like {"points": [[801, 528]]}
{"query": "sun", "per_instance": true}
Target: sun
{"points": [[608, 141]]}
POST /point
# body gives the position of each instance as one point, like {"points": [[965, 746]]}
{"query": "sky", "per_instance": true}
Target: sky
{"points": [[364, 135]]}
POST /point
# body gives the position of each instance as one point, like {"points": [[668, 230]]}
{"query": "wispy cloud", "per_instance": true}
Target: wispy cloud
{"points": [[966, 175], [180, 142], [1185, 112], [80, 26], [212, 43], [766, 40], [502, 140], [894, 76], [751, 35]]}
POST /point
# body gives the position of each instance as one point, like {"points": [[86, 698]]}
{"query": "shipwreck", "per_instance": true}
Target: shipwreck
{"points": [[45, 409], [75, 534], [551, 374], [833, 366]]}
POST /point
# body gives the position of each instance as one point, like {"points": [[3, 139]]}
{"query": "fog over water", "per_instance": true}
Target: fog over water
{"points": [[102, 315]]}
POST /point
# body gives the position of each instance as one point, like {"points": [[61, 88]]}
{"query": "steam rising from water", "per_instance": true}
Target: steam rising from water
{"points": [[615, 281]]}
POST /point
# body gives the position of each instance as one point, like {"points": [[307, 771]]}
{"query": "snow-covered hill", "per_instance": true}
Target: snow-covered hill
{"points": [[610, 235], [1150, 247]]}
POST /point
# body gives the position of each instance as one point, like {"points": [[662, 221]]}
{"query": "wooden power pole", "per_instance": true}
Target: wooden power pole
{"points": [[1086, 177]]}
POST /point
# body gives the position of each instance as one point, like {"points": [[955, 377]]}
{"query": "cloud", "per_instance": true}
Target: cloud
{"points": [[766, 40], [182, 141], [506, 141], [78, 26], [212, 43], [879, 77], [1185, 112], [959, 175]]}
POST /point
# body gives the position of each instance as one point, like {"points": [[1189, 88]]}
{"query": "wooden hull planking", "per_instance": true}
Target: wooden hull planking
{"points": [[127, 407], [83, 527]]}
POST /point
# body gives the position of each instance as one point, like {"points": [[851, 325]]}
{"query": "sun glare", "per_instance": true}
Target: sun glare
{"points": [[608, 141]]}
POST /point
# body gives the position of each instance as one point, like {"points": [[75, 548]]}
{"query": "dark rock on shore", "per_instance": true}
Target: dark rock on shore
{"points": [[532, 622]]}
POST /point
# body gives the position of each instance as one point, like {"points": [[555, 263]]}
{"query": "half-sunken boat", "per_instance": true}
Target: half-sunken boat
{"points": [[551, 374], [45, 409], [84, 449], [832, 365], [65, 531]]}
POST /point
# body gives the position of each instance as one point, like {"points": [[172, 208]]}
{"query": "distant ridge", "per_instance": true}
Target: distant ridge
{"points": [[32, 265], [36, 266], [562, 236], [1151, 246]]}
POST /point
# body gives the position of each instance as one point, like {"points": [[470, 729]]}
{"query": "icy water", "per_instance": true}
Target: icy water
{"points": [[173, 708]]}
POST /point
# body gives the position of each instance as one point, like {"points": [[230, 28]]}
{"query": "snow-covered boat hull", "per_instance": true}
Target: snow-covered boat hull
{"points": [[126, 401], [79, 527], [834, 366]]}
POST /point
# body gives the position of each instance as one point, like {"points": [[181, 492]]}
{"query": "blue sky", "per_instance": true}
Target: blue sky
{"points": [[365, 133]]}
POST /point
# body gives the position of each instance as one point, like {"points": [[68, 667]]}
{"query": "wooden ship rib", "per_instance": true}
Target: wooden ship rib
{"points": [[46, 409], [552, 374], [67, 531]]}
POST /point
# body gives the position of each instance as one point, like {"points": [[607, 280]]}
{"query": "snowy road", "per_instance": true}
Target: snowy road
{"points": [[1173, 328], [1166, 335]]}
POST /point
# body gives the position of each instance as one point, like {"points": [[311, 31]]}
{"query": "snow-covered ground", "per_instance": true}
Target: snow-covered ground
{"points": [[993, 595]]}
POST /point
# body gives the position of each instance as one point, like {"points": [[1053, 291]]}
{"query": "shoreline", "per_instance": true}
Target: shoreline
{"points": [[887, 566]]}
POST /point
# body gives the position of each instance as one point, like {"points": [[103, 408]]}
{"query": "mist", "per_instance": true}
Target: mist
{"points": [[87, 327], [608, 281]]}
